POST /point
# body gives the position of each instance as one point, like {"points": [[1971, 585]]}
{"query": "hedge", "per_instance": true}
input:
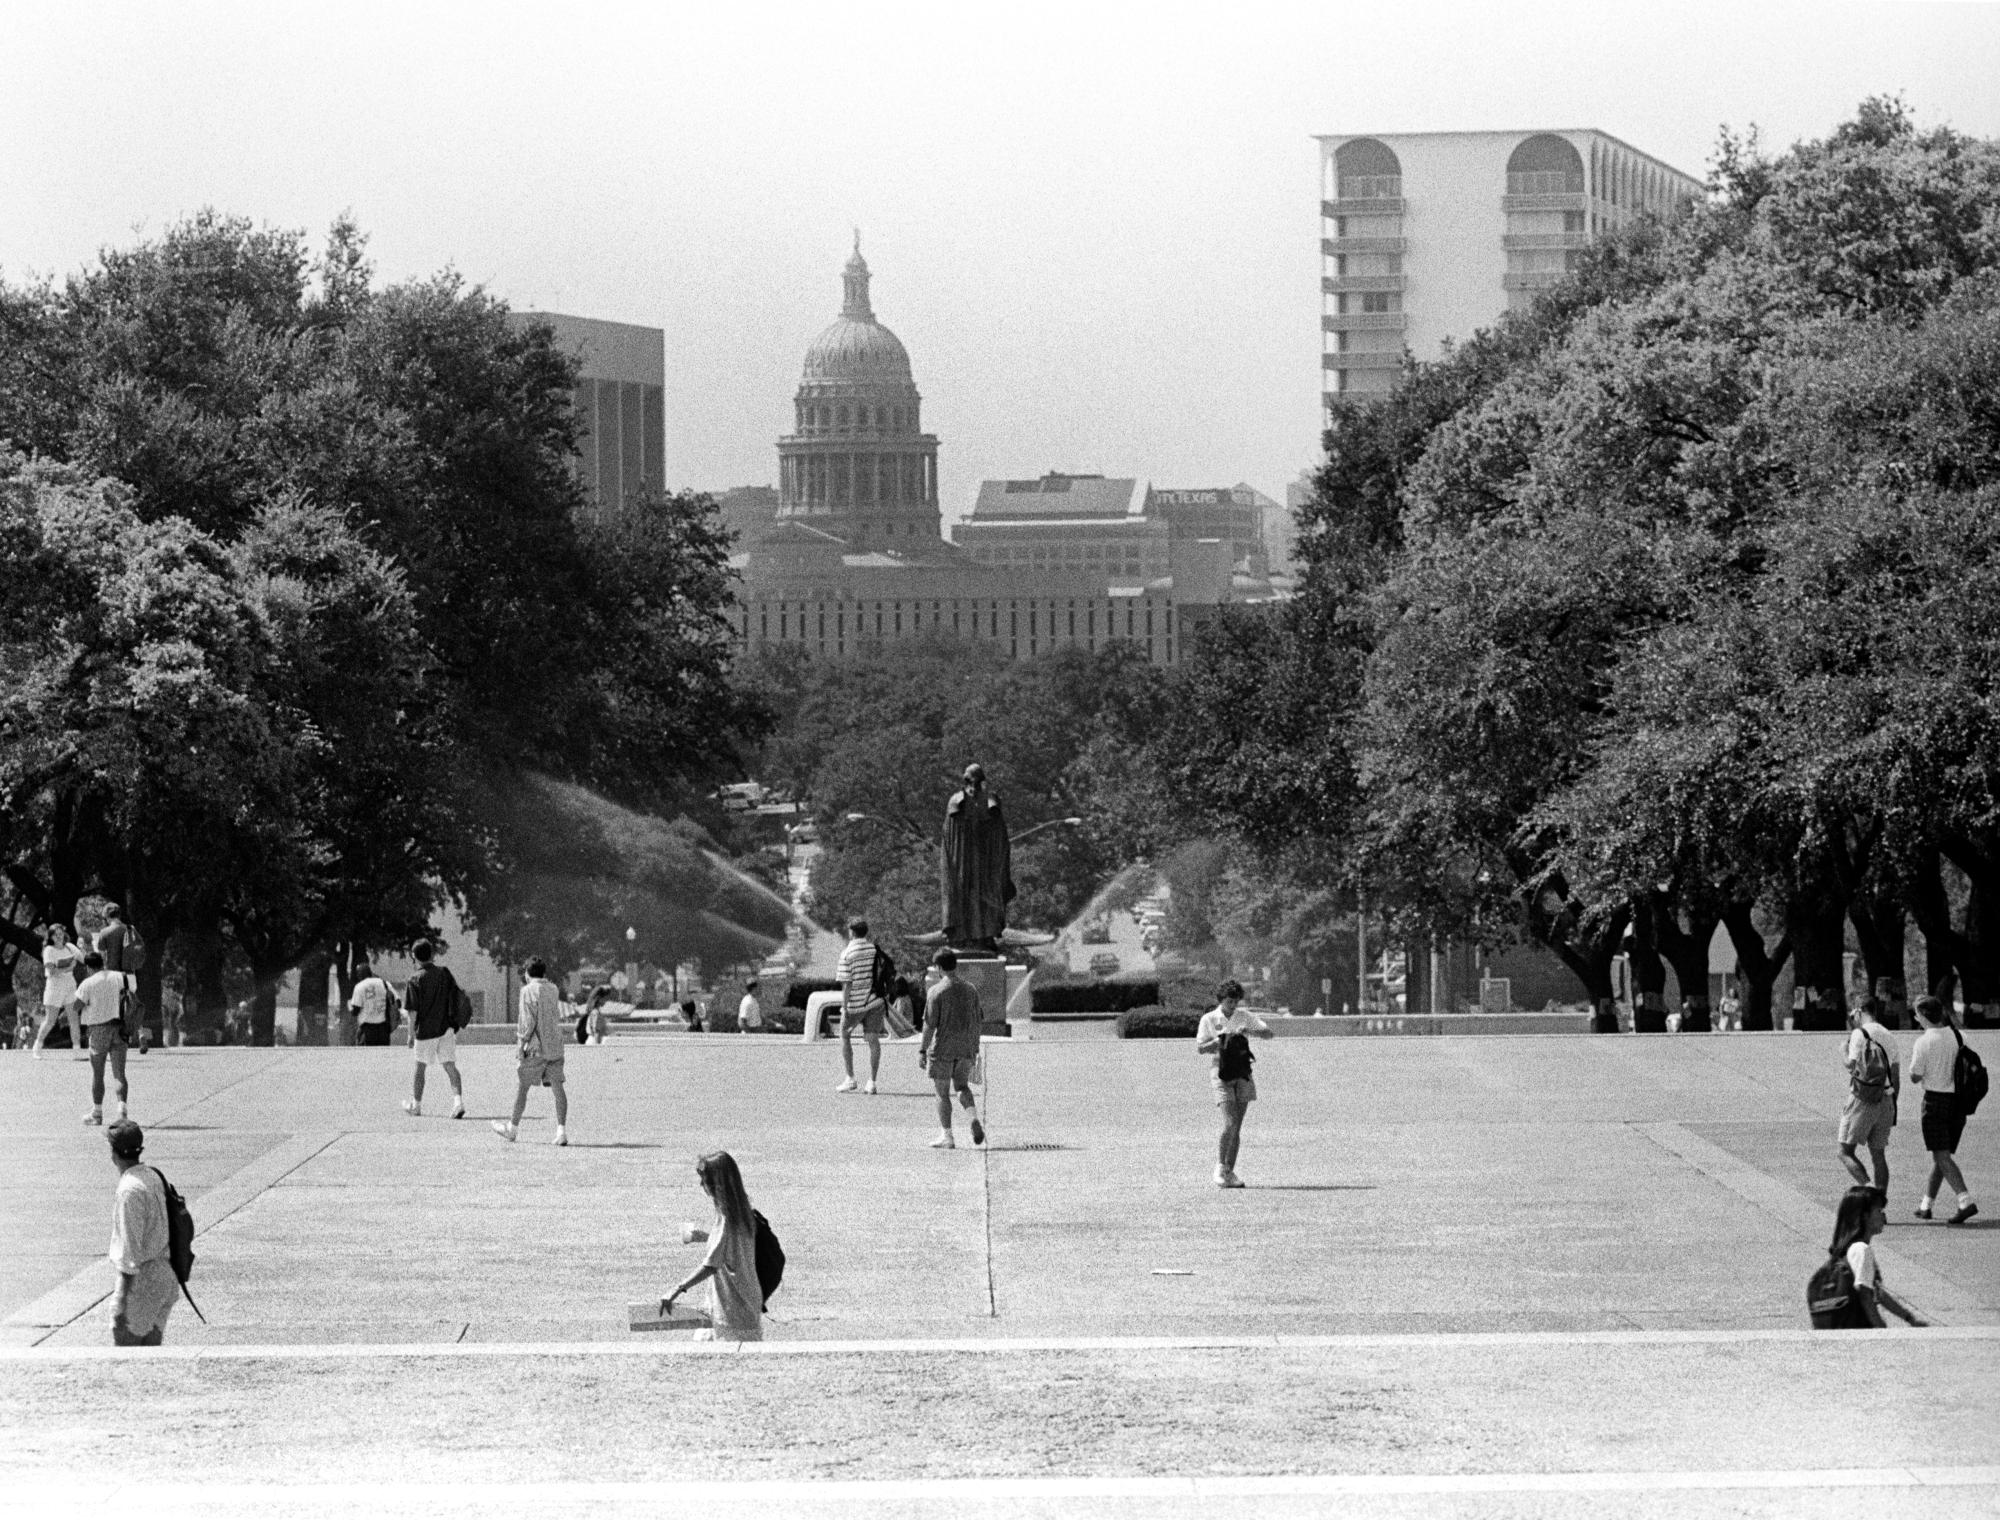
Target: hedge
{"points": [[1093, 997], [1156, 1023]]}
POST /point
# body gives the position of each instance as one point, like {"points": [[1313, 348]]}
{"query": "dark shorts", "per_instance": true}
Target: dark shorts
{"points": [[1944, 1125], [372, 1034], [956, 1070]]}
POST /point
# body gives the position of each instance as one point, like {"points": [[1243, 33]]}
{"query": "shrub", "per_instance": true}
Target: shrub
{"points": [[1094, 997], [1157, 1023]]}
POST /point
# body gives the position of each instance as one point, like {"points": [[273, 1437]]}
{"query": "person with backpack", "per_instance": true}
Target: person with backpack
{"points": [[374, 1003], [1936, 1064], [736, 1293], [438, 1009], [1224, 1033], [860, 1003], [1874, 1077], [1847, 1292], [100, 1002], [539, 1053], [140, 1243]]}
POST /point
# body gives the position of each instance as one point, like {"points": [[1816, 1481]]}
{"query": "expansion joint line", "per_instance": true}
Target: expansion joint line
{"points": [[986, 1186]]}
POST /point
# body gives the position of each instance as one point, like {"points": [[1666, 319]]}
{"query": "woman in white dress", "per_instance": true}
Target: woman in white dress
{"points": [[735, 1297], [59, 962]]}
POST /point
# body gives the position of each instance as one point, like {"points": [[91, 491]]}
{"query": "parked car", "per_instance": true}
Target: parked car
{"points": [[1097, 932], [1103, 964], [803, 833]]}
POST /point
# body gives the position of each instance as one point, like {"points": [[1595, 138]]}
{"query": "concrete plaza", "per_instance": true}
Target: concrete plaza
{"points": [[1484, 1262]]}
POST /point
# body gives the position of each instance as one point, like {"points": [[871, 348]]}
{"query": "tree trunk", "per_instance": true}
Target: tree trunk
{"points": [[1649, 974], [1819, 940], [205, 956], [1589, 960], [1756, 967], [1980, 969], [313, 973], [341, 1024], [1878, 918], [1687, 951], [264, 1004]]}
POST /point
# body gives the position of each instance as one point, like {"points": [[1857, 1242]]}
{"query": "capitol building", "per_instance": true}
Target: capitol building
{"points": [[853, 554]]}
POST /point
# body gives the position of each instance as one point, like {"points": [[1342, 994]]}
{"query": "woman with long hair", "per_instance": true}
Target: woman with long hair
{"points": [[59, 962], [735, 1297], [1862, 1215]]}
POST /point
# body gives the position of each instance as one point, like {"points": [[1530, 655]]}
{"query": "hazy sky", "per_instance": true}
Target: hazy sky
{"points": [[1095, 226]]}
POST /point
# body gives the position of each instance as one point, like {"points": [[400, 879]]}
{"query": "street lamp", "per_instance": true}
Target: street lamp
{"points": [[1053, 823]]}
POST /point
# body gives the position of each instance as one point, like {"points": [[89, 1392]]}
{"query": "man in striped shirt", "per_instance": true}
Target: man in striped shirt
{"points": [[859, 1004]]}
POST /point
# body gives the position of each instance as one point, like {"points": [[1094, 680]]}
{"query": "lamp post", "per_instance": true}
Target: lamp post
{"points": [[632, 961]]}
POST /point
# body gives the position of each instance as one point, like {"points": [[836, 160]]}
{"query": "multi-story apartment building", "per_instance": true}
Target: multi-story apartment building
{"points": [[1429, 236], [620, 403]]}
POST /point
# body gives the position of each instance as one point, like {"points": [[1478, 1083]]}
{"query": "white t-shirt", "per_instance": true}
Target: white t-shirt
{"points": [[59, 963], [139, 1246], [1215, 1023], [370, 999], [749, 1012], [99, 996], [1861, 1262], [1857, 1040], [1932, 1060]]}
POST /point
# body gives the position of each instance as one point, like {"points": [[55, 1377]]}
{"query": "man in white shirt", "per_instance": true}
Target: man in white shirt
{"points": [[1224, 1034], [1932, 1065], [98, 1005], [370, 1001], [539, 1052], [147, 1287], [749, 1012], [859, 1004], [1873, 1079]]}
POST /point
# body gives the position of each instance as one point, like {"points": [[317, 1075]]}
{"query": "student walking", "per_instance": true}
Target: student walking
{"points": [[1224, 1033], [950, 1045], [432, 1000], [1933, 1065], [749, 1012], [1854, 1300], [60, 960], [859, 1004], [147, 1287], [1874, 1076], [539, 1052], [374, 1005], [99, 1003], [735, 1296]]}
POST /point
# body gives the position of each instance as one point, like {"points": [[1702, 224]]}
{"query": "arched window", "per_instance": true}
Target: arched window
{"points": [[1365, 169], [1544, 165]]}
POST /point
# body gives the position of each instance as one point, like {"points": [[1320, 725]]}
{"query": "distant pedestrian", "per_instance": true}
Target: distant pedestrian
{"points": [[1224, 1033], [1854, 1298], [735, 1296], [374, 1003], [99, 1003], [432, 1001], [146, 1288], [950, 1045], [749, 1012], [1874, 1075], [1932, 1067], [118, 942], [60, 960], [1730, 1014], [691, 1016], [539, 1051], [594, 1018], [859, 1004]]}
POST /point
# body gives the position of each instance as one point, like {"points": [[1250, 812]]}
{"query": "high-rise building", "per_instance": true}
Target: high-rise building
{"points": [[1429, 236], [620, 403]]}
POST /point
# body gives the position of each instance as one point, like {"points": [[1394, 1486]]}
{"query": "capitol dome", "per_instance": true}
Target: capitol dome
{"points": [[856, 346]]}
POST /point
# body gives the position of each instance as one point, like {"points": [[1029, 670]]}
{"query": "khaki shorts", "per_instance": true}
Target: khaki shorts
{"points": [[869, 1019], [534, 1069], [957, 1070], [105, 1038], [1239, 1093], [443, 1051], [1867, 1124]]}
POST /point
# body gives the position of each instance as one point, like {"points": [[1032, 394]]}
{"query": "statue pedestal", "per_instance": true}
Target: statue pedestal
{"points": [[988, 973]]}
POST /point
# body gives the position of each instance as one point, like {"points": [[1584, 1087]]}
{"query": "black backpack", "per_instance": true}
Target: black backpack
{"points": [[770, 1258], [180, 1240], [1831, 1298], [1968, 1076], [882, 977], [1236, 1058]]}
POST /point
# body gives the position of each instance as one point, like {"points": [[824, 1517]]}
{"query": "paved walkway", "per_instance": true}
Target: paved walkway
{"points": [[1585, 1190]]}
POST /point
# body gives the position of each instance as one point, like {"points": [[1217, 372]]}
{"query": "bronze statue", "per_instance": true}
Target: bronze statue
{"points": [[976, 878]]}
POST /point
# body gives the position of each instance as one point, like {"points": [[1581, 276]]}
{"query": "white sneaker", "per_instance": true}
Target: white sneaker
{"points": [[95, 1116], [871, 1087], [458, 1108], [562, 1135], [122, 1113], [846, 1085], [1221, 1175], [412, 1106], [944, 1142], [1231, 1180], [505, 1130]]}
